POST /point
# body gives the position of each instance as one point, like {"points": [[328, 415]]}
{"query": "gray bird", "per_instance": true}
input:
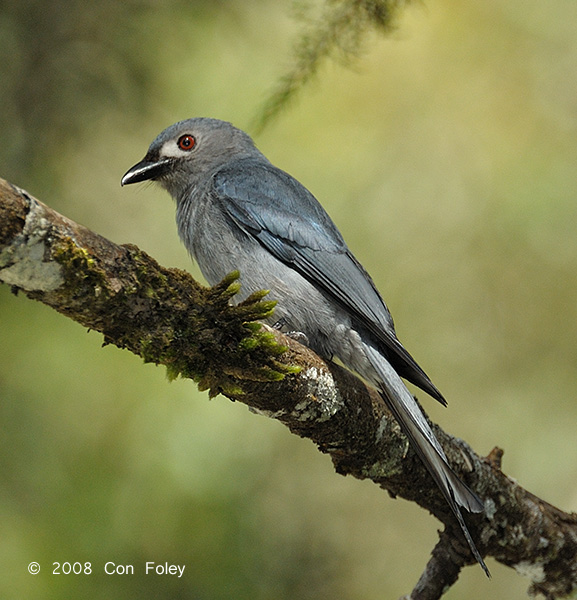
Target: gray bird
{"points": [[235, 210]]}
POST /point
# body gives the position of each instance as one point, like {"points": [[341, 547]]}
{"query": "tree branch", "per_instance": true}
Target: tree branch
{"points": [[166, 317]]}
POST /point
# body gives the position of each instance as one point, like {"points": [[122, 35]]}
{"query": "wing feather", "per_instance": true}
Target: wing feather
{"points": [[289, 222]]}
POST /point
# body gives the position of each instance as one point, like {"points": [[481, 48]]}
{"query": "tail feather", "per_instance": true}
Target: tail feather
{"points": [[413, 423]]}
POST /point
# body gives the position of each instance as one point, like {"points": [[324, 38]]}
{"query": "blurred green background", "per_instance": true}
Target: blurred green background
{"points": [[447, 157]]}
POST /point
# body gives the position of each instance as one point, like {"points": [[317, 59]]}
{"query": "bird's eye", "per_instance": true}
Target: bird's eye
{"points": [[186, 142]]}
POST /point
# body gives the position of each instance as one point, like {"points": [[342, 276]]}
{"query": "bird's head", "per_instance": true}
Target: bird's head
{"points": [[190, 151]]}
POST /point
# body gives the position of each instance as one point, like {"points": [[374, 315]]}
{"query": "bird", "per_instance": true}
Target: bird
{"points": [[235, 210]]}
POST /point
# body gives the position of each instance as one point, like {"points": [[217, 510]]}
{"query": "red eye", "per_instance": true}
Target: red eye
{"points": [[186, 142]]}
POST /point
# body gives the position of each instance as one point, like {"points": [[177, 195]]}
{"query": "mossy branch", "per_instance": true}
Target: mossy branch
{"points": [[166, 317]]}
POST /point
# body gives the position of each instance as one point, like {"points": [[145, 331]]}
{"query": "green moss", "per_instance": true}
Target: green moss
{"points": [[76, 261], [220, 344], [84, 279], [167, 318], [149, 274]]}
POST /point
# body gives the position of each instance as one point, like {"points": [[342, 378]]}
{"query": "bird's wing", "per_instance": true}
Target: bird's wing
{"points": [[289, 222]]}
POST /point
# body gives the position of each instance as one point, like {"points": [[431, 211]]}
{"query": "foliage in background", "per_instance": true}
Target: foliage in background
{"points": [[66, 64], [447, 158], [339, 31]]}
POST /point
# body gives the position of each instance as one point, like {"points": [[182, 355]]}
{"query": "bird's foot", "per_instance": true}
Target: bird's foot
{"points": [[280, 323], [299, 336]]}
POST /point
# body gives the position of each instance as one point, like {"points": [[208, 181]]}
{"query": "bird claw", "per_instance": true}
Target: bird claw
{"points": [[299, 336], [280, 324]]}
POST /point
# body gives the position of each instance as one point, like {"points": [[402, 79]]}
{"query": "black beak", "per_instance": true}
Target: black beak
{"points": [[146, 169]]}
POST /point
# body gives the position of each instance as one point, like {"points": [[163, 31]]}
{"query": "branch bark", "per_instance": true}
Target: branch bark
{"points": [[166, 317]]}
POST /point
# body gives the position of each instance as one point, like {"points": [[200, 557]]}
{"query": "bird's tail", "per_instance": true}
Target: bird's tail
{"points": [[414, 425]]}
